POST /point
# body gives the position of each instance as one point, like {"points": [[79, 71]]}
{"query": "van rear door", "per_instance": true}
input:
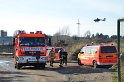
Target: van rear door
{"points": [[108, 54]]}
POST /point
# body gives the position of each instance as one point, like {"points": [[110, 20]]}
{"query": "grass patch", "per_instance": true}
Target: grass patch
{"points": [[115, 74], [122, 71]]}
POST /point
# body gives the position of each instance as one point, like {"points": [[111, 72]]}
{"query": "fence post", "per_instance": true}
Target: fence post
{"points": [[118, 34]]}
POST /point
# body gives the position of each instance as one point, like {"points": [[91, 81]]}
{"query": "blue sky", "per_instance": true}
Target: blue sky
{"points": [[50, 16]]}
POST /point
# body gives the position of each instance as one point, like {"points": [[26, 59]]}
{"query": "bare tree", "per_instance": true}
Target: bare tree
{"points": [[65, 31], [62, 35], [87, 34]]}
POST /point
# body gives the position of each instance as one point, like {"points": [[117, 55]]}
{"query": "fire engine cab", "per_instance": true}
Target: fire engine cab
{"points": [[29, 49]]}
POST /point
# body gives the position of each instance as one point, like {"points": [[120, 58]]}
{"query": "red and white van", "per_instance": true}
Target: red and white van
{"points": [[104, 55]]}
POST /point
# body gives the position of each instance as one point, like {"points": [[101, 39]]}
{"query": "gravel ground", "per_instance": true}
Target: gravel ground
{"points": [[70, 73]]}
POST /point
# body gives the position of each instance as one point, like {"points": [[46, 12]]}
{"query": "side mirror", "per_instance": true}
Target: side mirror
{"points": [[13, 41], [82, 52]]}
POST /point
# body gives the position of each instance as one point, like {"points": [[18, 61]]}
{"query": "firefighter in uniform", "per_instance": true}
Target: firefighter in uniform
{"points": [[65, 54], [52, 56], [61, 57]]}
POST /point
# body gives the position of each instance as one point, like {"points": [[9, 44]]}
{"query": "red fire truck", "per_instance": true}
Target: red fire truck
{"points": [[29, 49]]}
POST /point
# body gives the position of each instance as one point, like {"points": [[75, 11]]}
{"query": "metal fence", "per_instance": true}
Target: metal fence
{"points": [[120, 26]]}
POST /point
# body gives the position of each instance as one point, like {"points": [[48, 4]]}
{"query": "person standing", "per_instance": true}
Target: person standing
{"points": [[52, 56], [65, 54], [61, 57]]}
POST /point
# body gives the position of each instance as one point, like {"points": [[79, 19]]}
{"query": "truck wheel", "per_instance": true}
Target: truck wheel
{"points": [[18, 66], [15, 66], [79, 62], [95, 64], [43, 66], [37, 66]]}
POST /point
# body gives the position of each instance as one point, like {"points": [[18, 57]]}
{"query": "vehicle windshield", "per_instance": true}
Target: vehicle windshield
{"points": [[108, 49], [32, 41]]}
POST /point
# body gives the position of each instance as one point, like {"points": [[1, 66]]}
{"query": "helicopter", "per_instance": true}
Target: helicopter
{"points": [[97, 19]]}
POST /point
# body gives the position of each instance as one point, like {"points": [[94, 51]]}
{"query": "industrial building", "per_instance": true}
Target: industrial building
{"points": [[4, 39]]}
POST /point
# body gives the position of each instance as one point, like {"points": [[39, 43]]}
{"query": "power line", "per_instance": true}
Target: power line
{"points": [[78, 28]]}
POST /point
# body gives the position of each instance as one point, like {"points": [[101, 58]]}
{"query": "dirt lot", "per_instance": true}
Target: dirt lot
{"points": [[70, 73]]}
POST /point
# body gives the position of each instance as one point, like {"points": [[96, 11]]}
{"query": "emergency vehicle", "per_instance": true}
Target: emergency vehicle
{"points": [[98, 55], [56, 50], [29, 49]]}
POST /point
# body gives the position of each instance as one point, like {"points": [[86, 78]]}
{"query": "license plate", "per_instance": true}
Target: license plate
{"points": [[109, 56], [32, 59]]}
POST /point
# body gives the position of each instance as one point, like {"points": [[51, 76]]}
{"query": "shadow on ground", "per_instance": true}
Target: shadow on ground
{"points": [[73, 69]]}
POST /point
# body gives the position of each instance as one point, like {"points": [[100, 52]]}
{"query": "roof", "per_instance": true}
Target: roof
{"points": [[31, 35]]}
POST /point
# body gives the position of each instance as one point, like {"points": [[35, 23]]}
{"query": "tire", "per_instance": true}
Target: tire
{"points": [[37, 66], [43, 66], [18, 66], [95, 64], [79, 62], [15, 66]]}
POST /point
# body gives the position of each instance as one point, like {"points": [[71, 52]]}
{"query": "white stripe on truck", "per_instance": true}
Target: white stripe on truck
{"points": [[32, 49]]}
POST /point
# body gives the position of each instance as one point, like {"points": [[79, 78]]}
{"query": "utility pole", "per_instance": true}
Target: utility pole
{"points": [[78, 28]]}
